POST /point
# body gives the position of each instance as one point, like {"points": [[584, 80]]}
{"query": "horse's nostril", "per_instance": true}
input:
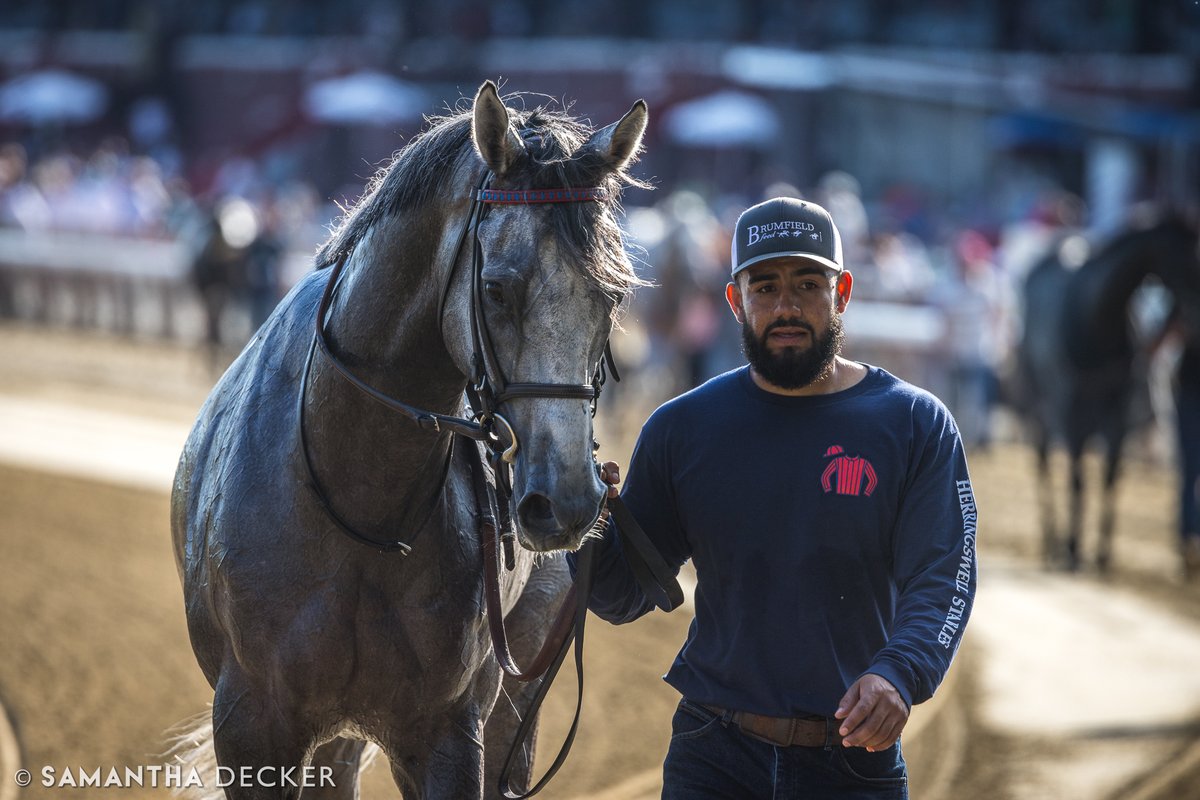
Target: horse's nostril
{"points": [[536, 511]]}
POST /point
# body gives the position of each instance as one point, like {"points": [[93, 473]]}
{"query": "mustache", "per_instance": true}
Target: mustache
{"points": [[788, 322]]}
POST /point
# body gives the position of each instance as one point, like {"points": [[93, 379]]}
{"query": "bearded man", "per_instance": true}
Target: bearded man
{"points": [[828, 512]]}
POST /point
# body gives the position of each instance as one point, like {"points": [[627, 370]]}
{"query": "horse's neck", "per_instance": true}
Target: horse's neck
{"points": [[376, 464], [384, 320], [1110, 283]]}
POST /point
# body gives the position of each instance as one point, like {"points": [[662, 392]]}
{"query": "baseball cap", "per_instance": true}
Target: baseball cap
{"points": [[786, 227]]}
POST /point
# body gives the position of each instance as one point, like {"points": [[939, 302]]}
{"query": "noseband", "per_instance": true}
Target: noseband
{"points": [[488, 388]]}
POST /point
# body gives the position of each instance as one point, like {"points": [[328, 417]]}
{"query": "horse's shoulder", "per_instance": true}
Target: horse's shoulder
{"points": [[251, 410]]}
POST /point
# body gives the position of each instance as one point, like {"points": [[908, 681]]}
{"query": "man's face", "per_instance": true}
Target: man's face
{"points": [[790, 310]]}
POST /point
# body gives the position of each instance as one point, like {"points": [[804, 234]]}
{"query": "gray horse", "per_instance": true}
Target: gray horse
{"points": [[314, 643]]}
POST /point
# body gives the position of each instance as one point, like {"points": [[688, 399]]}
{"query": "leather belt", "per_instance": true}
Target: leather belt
{"points": [[782, 731]]}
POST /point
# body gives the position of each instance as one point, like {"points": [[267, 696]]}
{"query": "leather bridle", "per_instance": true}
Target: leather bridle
{"points": [[488, 387]]}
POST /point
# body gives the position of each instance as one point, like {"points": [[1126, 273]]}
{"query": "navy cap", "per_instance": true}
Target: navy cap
{"points": [[785, 227]]}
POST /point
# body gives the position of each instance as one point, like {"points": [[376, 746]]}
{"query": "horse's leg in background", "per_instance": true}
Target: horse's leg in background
{"points": [[125, 306], [1045, 491], [1075, 518], [343, 758], [1112, 469], [500, 733], [526, 626], [213, 298], [250, 732]]}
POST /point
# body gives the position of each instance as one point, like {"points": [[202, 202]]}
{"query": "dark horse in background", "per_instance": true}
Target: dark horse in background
{"points": [[314, 643], [1080, 364]]}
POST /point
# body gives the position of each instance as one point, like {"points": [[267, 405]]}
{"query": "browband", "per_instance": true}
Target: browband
{"points": [[527, 196]]}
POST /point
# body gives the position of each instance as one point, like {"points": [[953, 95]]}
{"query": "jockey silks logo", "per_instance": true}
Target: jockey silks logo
{"points": [[758, 233], [850, 475]]}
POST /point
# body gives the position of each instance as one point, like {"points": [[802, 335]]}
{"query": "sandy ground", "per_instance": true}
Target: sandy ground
{"points": [[1068, 686]]}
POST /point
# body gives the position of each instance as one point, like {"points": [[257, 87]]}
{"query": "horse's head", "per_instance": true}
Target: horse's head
{"points": [[551, 276]]}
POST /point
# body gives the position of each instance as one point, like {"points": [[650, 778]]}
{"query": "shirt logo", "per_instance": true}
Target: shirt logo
{"points": [[847, 474]]}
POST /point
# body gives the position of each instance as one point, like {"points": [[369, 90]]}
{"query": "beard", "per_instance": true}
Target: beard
{"points": [[794, 367]]}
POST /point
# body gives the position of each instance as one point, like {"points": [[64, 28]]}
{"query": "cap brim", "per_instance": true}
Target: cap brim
{"points": [[825, 262]]}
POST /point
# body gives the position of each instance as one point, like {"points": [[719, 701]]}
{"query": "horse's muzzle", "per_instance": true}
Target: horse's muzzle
{"points": [[543, 525]]}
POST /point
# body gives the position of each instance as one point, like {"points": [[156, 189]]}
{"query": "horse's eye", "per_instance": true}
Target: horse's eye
{"points": [[495, 292]]}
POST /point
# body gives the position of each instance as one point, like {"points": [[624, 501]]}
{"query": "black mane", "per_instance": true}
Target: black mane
{"points": [[427, 164]]}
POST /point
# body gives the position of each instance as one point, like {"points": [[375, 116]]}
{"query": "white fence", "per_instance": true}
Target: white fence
{"points": [[115, 283]]}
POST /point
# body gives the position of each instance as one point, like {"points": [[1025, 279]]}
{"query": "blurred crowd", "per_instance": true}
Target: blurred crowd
{"points": [[114, 191], [935, 299], [108, 191]]}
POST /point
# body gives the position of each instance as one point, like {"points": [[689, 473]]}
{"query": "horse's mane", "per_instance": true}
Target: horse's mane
{"points": [[422, 168]]}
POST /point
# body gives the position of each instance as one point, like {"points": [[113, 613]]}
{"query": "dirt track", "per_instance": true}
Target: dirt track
{"points": [[95, 664]]}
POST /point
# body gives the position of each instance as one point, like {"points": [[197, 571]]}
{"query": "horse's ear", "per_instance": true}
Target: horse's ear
{"points": [[495, 140], [621, 142]]}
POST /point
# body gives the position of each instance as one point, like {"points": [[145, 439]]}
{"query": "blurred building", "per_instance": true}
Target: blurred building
{"points": [[963, 105]]}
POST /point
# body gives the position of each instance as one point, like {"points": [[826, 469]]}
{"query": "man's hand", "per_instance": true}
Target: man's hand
{"points": [[873, 714], [610, 473]]}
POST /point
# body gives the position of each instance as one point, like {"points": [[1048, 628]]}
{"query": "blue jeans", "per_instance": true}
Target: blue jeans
{"points": [[1187, 406], [710, 757]]}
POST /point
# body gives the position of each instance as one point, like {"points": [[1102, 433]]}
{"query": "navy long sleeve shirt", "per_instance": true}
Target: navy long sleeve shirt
{"points": [[832, 535]]}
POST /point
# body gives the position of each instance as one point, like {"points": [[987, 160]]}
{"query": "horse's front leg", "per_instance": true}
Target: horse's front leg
{"points": [[451, 766], [1045, 494], [257, 741], [527, 625], [1112, 471]]}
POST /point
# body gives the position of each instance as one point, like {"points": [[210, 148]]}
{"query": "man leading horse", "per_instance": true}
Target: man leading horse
{"points": [[828, 511]]}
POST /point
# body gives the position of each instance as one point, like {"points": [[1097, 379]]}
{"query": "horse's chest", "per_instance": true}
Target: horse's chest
{"points": [[425, 649], [430, 628]]}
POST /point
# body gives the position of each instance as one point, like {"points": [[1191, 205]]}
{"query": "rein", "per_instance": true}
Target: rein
{"points": [[487, 390]]}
